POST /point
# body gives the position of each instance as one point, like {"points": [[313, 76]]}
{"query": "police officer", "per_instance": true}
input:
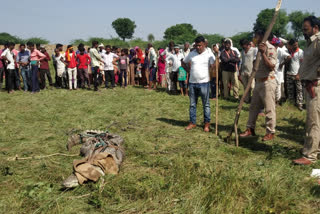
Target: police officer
{"points": [[309, 73], [264, 91]]}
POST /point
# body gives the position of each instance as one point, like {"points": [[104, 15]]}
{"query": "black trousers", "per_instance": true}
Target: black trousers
{"points": [[109, 75], [55, 75], [43, 73], [59, 82], [1, 77], [123, 73], [16, 79], [174, 79], [95, 77], [10, 75]]}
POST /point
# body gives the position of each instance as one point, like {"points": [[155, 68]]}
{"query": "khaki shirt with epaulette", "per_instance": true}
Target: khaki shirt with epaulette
{"points": [[264, 70], [310, 67]]}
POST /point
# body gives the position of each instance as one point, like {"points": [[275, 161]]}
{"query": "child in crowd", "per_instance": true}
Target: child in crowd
{"points": [[183, 82], [153, 76], [83, 60], [138, 71], [110, 60], [60, 66], [123, 64], [72, 67]]}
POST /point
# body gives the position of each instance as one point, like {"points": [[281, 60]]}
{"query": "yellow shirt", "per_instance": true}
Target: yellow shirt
{"points": [[310, 67], [264, 70]]}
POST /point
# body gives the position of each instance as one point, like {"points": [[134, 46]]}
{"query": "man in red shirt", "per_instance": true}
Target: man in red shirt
{"points": [[83, 60], [44, 69], [72, 67]]}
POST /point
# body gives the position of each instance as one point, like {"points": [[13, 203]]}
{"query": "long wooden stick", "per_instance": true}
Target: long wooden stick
{"points": [[217, 92], [15, 158], [253, 74]]}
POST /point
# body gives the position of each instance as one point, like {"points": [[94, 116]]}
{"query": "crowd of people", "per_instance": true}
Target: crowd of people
{"points": [[87, 67], [281, 62], [28, 68], [284, 71]]}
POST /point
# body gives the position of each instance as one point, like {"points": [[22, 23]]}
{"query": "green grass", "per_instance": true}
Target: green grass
{"points": [[166, 170]]}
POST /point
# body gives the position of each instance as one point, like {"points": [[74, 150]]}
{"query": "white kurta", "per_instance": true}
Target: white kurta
{"points": [[282, 55]]}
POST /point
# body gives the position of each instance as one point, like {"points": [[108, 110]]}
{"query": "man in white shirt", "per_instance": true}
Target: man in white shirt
{"points": [[109, 59], [174, 61], [248, 55], [186, 50], [201, 61], [152, 56], [152, 59], [95, 63], [8, 56], [167, 52], [206, 43], [294, 86], [101, 49], [283, 57]]}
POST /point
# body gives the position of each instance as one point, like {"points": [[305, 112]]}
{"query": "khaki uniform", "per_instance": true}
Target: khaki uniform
{"points": [[264, 93], [310, 71]]}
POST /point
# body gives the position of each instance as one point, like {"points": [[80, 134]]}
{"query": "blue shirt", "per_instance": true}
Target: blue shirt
{"points": [[23, 57]]}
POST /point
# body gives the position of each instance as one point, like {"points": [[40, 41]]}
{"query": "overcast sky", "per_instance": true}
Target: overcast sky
{"points": [[65, 20]]}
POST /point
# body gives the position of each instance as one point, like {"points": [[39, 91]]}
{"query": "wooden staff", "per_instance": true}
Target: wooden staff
{"points": [[217, 92], [254, 71]]}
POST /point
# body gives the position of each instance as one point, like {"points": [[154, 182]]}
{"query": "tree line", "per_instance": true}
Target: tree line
{"points": [[287, 26], [6, 37]]}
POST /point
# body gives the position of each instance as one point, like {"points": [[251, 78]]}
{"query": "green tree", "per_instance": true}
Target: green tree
{"points": [[296, 19], [180, 33], [6, 37], [124, 28], [160, 44], [239, 36], [113, 42], [264, 19], [213, 38], [150, 37], [78, 41], [37, 40], [138, 42]]}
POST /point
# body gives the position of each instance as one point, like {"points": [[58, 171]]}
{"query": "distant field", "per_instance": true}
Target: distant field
{"points": [[166, 170]]}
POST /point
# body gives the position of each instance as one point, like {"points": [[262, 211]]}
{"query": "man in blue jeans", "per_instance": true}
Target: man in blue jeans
{"points": [[23, 61], [200, 62]]}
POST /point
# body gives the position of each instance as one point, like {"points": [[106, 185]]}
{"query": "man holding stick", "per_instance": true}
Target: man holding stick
{"points": [[309, 73], [264, 91]]}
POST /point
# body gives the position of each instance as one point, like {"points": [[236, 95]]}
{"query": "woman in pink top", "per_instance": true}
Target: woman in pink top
{"points": [[162, 69], [35, 57]]}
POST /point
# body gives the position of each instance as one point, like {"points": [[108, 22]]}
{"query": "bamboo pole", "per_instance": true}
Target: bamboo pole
{"points": [[217, 92]]}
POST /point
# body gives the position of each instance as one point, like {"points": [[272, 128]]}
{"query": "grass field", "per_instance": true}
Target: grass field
{"points": [[166, 170]]}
